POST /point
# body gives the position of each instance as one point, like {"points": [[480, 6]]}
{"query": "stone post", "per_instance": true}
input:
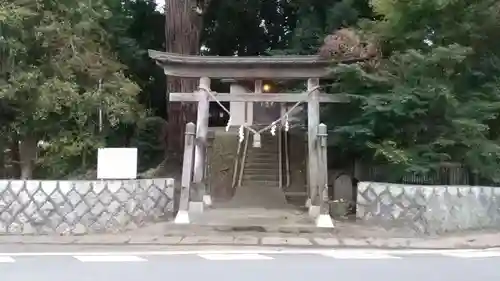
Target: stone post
{"points": [[324, 219], [176, 197], [182, 216]]}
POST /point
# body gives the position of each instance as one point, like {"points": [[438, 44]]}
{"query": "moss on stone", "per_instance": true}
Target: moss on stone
{"points": [[222, 156]]}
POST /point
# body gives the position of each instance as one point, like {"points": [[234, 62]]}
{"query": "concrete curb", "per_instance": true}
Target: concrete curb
{"points": [[491, 241]]}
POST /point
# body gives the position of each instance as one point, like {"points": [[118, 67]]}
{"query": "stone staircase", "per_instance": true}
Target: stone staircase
{"points": [[262, 163], [260, 182]]}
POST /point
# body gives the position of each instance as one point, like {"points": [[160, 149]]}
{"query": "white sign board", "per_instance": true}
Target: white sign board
{"points": [[117, 163]]}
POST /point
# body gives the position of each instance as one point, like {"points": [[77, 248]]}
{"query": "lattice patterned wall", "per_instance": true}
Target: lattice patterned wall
{"points": [[430, 209], [81, 207]]}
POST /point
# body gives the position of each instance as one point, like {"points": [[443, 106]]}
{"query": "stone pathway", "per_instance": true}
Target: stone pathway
{"points": [[477, 240], [345, 234]]}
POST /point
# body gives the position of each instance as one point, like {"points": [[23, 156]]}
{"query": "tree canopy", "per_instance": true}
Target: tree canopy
{"points": [[428, 95], [58, 71], [432, 95]]}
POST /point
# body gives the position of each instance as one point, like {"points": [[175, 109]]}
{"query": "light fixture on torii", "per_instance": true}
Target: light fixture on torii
{"points": [[266, 88]]}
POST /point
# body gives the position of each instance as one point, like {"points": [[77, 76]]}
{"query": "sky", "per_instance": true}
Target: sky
{"points": [[160, 3]]}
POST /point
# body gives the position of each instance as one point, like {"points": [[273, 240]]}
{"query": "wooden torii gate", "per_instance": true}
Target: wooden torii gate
{"points": [[311, 68]]}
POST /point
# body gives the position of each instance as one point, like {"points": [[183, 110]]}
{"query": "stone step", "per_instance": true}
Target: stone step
{"points": [[257, 152], [272, 157], [262, 156], [261, 171], [263, 160], [261, 177], [264, 145], [262, 165], [256, 220], [202, 225], [252, 194], [266, 149], [260, 183], [263, 151]]}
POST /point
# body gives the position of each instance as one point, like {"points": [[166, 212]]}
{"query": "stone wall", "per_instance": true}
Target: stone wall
{"points": [[221, 157], [81, 207], [429, 209], [297, 149]]}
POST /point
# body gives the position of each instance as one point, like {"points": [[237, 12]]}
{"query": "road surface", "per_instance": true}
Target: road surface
{"points": [[253, 265]]}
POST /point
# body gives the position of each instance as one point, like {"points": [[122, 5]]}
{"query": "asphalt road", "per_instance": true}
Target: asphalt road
{"points": [[352, 265]]}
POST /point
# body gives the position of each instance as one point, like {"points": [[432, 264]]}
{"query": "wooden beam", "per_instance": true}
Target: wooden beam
{"points": [[258, 97], [201, 136], [258, 86], [312, 135], [261, 67]]}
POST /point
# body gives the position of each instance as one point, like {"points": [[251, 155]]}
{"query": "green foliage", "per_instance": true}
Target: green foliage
{"points": [[148, 140], [314, 20], [137, 26], [246, 28], [58, 69], [70, 153], [431, 97], [434, 95]]}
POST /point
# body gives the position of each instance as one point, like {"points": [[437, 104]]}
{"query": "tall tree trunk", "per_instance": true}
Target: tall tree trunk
{"points": [[15, 158], [183, 26], [27, 155], [3, 173]]}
